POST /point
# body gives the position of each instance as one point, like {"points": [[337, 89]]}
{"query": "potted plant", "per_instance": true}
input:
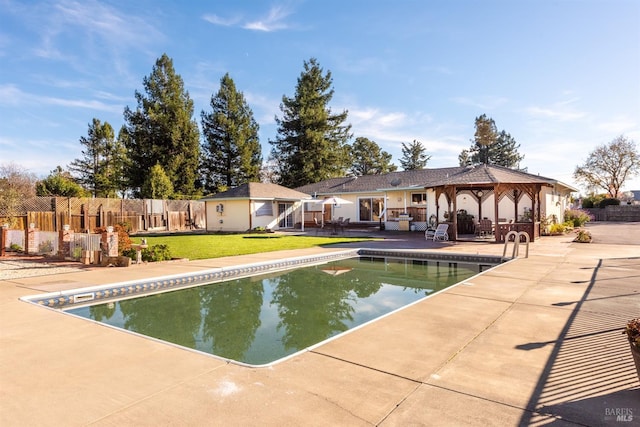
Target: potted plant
{"points": [[633, 335], [583, 236]]}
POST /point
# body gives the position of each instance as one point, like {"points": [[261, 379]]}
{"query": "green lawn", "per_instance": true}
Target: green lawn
{"points": [[203, 246]]}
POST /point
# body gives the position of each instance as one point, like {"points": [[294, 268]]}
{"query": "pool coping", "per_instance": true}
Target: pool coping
{"points": [[119, 291], [89, 295]]}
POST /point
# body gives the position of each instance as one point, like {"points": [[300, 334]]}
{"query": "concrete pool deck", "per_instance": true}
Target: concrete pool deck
{"points": [[533, 342]]}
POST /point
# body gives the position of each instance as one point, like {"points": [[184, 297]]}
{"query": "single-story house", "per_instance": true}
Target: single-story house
{"points": [[254, 205], [418, 199]]}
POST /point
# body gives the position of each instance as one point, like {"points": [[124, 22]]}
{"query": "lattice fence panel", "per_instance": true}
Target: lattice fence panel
{"points": [[178, 205], [39, 204]]}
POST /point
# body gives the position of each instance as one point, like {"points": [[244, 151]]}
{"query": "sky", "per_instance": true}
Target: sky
{"points": [[562, 77]]}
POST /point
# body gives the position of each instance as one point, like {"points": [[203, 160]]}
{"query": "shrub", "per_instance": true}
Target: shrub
{"points": [[557, 228], [124, 241], [15, 247], [131, 253], [46, 247], [577, 217], [587, 203], [609, 202], [156, 253], [593, 201], [77, 253]]}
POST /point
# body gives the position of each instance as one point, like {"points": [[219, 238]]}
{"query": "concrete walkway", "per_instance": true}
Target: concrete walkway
{"points": [[536, 341]]}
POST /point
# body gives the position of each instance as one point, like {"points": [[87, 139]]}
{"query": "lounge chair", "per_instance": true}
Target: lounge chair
{"points": [[441, 232]]}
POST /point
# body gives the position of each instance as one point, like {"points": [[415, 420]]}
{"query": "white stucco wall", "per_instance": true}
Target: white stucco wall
{"points": [[234, 216]]}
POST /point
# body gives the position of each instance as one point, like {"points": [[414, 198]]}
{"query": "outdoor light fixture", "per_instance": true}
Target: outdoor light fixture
{"points": [[480, 193]]}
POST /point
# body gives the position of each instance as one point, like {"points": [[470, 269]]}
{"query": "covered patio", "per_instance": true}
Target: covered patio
{"points": [[491, 184]]}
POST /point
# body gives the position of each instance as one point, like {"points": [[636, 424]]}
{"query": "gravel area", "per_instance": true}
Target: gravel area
{"points": [[20, 267]]}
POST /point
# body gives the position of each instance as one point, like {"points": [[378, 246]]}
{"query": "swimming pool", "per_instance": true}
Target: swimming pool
{"points": [[263, 318]]}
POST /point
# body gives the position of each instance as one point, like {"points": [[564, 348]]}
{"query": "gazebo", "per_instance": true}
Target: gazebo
{"points": [[485, 182]]}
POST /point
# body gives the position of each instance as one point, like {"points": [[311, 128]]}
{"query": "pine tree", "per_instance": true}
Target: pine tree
{"points": [[312, 142], [120, 164], [94, 169], [506, 151], [231, 154], [162, 131], [157, 184], [490, 146], [367, 158], [414, 156]]}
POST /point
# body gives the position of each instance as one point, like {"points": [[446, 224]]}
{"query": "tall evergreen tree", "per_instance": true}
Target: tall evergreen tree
{"points": [[157, 184], [367, 158], [94, 170], [120, 164], [414, 156], [506, 151], [231, 153], [312, 142], [162, 131], [490, 146]]}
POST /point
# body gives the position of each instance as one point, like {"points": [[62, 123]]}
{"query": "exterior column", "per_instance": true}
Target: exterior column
{"points": [[109, 242], [30, 241], [65, 235], [3, 240]]}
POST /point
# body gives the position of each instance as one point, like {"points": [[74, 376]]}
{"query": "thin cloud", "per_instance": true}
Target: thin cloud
{"points": [[272, 22], [562, 111], [223, 22], [619, 125], [12, 95], [391, 129], [106, 22]]}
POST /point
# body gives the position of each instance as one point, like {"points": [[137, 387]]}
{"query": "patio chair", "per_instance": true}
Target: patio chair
{"points": [[319, 225], [486, 227], [344, 224], [441, 232], [428, 233]]}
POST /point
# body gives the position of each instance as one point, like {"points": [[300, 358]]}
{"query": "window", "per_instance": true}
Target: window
{"points": [[264, 209], [369, 208], [419, 198]]}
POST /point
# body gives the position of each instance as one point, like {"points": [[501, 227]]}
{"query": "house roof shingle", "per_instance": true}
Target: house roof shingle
{"points": [[259, 190], [414, 179]]}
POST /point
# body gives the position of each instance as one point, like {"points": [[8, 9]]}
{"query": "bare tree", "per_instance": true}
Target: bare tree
{"points": [[16, 184], [609, 166]]}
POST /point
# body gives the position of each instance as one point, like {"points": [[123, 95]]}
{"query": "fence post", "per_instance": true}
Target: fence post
{"points": [[109, 242], [30, 240], [3, 240], [64, 241]]}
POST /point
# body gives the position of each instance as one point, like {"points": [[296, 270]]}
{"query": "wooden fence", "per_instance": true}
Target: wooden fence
{"points": [[87, 214]]}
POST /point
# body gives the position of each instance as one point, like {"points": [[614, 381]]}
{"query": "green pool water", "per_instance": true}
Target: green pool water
{"points": [[261, 319]]}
